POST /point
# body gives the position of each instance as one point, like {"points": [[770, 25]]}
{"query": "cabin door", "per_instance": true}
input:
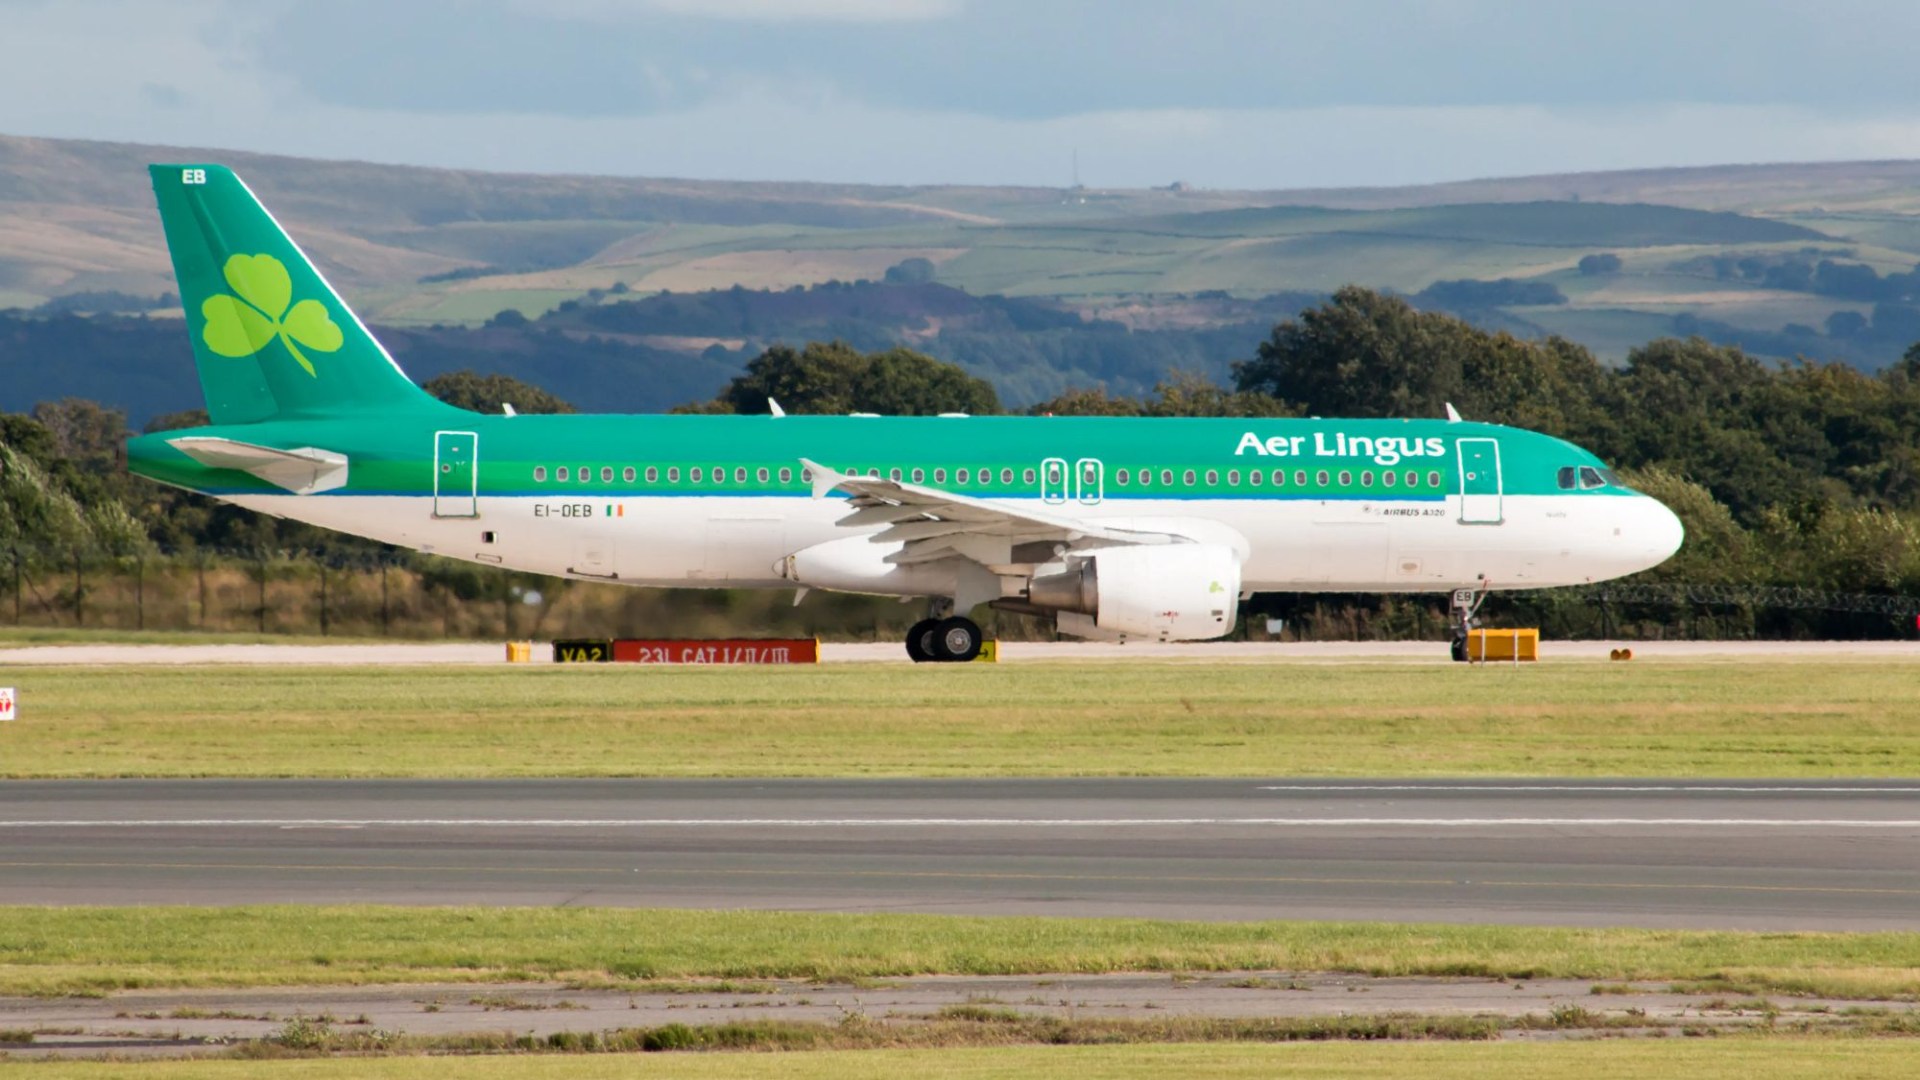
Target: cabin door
{"points": [[456, 474], [1479, 481]]}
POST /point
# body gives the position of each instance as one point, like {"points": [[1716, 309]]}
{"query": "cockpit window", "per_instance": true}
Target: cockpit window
{"points": [[1612, 478], [1590, 477], [1566, 478]]}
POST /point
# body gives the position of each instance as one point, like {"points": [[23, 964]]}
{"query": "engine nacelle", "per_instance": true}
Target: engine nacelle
{"points": [[1169, 592], [858, 565]]}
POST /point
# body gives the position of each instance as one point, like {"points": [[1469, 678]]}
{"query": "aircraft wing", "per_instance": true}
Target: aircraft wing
{"points": [[932, 524], [305, 471]]}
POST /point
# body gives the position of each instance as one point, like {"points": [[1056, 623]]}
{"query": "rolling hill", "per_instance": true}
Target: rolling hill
{"points": [[1785, 259]]}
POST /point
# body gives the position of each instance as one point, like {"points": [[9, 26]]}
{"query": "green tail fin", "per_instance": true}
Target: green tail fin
{"points": [[270, 337]]}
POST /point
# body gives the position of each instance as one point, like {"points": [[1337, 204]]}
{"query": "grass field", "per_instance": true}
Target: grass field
{"points": [[1803, 719], [1746, 1058], [89, 950]]}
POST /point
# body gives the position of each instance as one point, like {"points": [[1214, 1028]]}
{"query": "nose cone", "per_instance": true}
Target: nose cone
{"points": [[1657, 531]]}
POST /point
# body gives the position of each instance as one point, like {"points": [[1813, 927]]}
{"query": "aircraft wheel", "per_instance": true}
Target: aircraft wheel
{"points": [[921, 640], [958, 640]]}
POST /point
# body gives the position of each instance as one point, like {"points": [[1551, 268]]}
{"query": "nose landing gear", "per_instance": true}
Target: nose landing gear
{"points": [[1466, 603]]}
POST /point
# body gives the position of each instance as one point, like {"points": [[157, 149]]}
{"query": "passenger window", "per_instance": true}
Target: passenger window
{"points": [[739, 475], [1120, 477], [561, 474], [626, 474], [653, 474], [1253, 476], [893, 475], [874, 473], [673, 474], [1346, 478], [1590, 477], [585, 474], [1388, 477], [1433, 479], [960, 476], [1366, 478], [1320, 478], [1089, 475], [786, 475], [1006, 476], [1146, 477], [1186, 478], [539, 474], [939, 476], [919, 476], [1026, 476], [806, 476], [694, 474], [1565, 477], [1213, 477], [719, 474], [1166, 477], [1233, 477], [1413, 479], [1300, 477], [760, 474], [1280, 478]]}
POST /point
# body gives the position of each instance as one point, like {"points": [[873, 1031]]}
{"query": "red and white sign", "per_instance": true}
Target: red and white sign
{"points": [[6, 703], [730, 651]]}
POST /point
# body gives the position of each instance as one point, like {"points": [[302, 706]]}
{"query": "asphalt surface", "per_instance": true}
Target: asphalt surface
{"points": [[1725, 854]]}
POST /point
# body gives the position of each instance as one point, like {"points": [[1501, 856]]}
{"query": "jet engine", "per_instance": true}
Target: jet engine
{"points": [[1169, 592]]}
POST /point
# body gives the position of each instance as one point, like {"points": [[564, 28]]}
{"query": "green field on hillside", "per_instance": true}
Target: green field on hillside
{"points": [[1152, 718]]}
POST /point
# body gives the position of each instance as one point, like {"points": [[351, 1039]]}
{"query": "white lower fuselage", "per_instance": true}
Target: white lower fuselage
{"points": [[1292, 545]]}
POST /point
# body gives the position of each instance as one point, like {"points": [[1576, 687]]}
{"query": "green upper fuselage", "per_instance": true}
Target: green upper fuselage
{"points": [[640, 456]]}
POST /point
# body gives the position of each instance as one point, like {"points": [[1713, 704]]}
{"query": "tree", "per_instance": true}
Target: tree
{"points": [[1600, 264], [1364, 354], [835, 378], [486, 393], [85, 433], [914, 271]]}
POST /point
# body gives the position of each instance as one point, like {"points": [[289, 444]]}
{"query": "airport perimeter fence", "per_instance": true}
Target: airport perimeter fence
{"points": [[375, 594]]}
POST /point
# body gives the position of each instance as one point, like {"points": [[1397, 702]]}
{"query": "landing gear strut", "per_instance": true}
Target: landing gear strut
{"points": [[1466, 603], [943, 637]]}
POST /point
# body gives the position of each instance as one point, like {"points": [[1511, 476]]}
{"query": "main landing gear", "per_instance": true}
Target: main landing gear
{"points": [[944, 637]]}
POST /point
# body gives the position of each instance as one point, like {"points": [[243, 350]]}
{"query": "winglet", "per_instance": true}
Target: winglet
{"points": [[507, 409], [774, 408], [824, 479], [1453, 414]]}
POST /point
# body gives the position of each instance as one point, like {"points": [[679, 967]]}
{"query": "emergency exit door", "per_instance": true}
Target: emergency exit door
{"points": [[456, 474], [1480, 487]]}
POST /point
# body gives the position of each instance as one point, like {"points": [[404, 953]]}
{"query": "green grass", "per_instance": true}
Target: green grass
{"points": [[85, 950], [1806, 719], [1747, 1058]]}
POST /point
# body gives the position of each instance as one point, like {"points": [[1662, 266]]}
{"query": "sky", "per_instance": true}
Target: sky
{"points": [[1216, 93]]}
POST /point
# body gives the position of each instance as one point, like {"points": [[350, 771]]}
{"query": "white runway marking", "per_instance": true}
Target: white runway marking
{"points": [[964, 823]]}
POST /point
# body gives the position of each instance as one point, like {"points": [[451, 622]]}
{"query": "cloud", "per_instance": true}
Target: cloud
{"points": [[775, 11]]}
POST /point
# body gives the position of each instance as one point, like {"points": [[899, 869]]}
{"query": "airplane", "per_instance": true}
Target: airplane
{"points": [[1108, 528]]}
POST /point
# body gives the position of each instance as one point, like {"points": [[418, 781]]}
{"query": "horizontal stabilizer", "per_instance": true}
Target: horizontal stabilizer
{"points": [[306, 471]]}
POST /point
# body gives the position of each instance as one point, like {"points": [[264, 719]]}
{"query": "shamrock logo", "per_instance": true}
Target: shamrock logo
{"points": [[257, 312]]}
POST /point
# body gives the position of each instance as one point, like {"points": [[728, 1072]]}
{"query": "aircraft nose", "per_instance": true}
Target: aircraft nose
{"points": [[1660, 529]]}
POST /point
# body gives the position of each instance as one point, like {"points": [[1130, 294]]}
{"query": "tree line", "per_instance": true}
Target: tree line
{"points": [[1803, 474]]}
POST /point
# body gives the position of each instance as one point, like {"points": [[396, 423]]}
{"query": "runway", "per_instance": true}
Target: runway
{"points": [[1726, 854]]}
